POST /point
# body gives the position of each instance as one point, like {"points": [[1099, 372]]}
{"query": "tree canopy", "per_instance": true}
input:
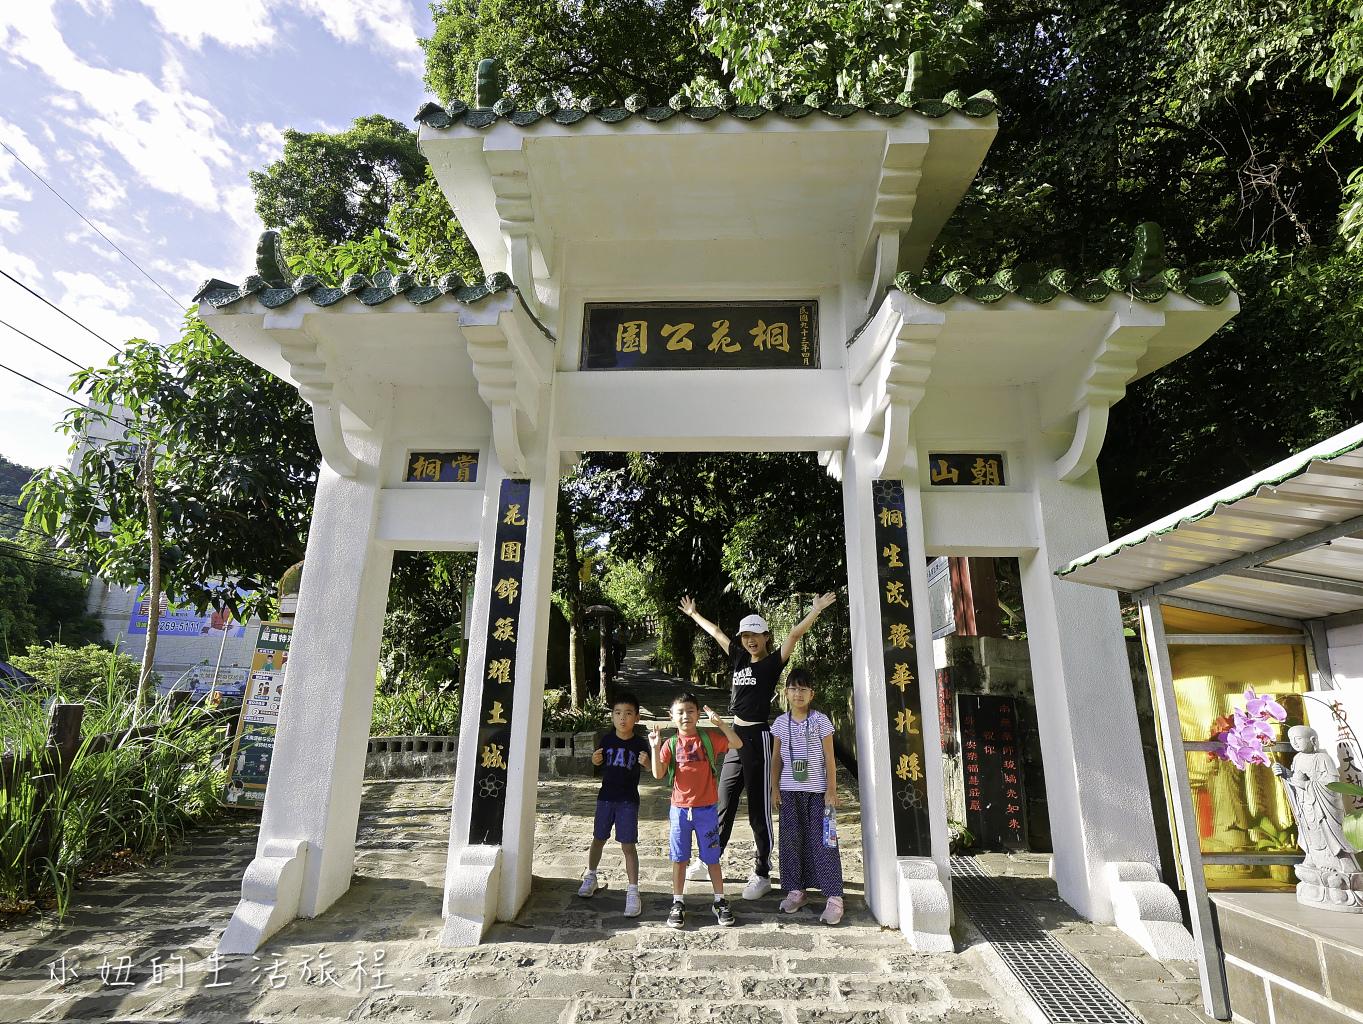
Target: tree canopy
{"points": [[235, 472]]}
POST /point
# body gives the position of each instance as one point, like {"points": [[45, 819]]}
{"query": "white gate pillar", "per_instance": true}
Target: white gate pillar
{"points": [[903, 804], [1096, 789], [306, 847], [492, 820]]}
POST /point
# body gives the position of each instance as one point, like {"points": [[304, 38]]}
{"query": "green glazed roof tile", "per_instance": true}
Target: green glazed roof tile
{"points": [[1031, 283], [273, 287], [457, 112]]}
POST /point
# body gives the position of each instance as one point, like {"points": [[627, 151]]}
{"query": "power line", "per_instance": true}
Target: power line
{"points": [[63, 312], [60, 394], [41, 345], [68, 567], [96, 230], [32, 555]]}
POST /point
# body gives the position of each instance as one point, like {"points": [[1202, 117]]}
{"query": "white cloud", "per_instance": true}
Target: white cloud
{"points": [[166, 133], [243, 24], [390, 23]]}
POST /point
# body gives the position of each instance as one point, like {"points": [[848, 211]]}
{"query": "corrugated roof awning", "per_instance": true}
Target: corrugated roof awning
{"points": [[1287, 541]]}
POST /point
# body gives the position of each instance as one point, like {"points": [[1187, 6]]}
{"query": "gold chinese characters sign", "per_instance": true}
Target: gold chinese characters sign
{"points": [[700, 335], [903, 699], [442, 467], [499, 668], [971, 470]]}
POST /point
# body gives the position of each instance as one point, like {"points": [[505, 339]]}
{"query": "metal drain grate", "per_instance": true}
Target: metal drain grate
{"points": [[1065, 989]]}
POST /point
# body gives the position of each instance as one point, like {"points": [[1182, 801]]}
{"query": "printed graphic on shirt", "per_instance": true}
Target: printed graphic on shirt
{"points": [[694, 784], [620, 759], [754, 684]]}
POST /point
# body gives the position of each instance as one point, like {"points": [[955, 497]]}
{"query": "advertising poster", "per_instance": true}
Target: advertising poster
{"points": [[184, 620], [254, 747], [223, 686]]}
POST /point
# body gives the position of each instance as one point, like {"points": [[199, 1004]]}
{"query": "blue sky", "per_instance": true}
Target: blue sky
{"points": [[146, 115]]}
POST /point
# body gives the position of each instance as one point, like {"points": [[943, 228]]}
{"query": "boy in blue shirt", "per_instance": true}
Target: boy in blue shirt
{"points": [[623, 754]]}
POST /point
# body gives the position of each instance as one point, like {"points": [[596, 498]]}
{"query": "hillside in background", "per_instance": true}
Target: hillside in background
{"points": [[12, 479]]}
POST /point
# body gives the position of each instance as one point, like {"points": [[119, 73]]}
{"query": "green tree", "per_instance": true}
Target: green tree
{"points": [[857, 50], [224, 451], [568, 49], [361, 201], [338, 187]]}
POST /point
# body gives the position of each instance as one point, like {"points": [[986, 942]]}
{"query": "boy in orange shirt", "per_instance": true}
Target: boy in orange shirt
{"points": [[690, 758]]}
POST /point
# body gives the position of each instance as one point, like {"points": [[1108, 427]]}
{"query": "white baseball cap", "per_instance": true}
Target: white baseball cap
{"points": [[754, 624]]}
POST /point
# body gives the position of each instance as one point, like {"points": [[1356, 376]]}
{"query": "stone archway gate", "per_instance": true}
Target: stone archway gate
{"points": [[711, 278]]}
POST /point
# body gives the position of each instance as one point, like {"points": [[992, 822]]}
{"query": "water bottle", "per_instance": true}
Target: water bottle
{"points": [[830, 828]]}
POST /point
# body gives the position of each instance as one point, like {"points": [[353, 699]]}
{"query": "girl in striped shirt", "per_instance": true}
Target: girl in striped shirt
{"points": [[803, 785]]}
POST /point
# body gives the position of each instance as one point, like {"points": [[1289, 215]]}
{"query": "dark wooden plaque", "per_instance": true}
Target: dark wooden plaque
{"points": [[700, 335], [442, 467], [903, 701], [973, 470], [995, 808], [499, 668]]}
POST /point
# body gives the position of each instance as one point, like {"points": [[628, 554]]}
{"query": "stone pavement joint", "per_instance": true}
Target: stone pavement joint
{"points": [[563, 960]]}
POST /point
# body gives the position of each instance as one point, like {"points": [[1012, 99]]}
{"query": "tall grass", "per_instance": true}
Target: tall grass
{"points": [[414, 710], [138, 798]]}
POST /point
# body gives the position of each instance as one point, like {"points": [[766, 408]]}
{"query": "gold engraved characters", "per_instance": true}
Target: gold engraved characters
{"points": [[894, 594], [902, 677], [900, 635], [492, 756], [424, 468], [903, 722], [985, 473], [511, 551], [495, 716], [941, 471], [632, 336], [505, 630], [677, 336], [890, 517], [513, 516], [909, 768], [892, 553], [770, 337], [499, 670], [720, 340]]}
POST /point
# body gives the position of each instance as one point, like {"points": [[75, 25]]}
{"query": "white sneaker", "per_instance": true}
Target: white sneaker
{"points": [[697, 871], [589, 884], [756, 888], [633, 905]]}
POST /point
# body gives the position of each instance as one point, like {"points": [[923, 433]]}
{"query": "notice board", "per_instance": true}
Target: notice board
{"points": [[253, 748], [995, 810]]}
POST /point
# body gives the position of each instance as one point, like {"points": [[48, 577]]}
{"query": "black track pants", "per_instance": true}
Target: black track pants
{"points": [[748, 769]]}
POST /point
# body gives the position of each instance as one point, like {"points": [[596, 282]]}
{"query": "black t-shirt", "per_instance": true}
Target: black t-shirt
{"points": [[620, 781], [754, 683]]}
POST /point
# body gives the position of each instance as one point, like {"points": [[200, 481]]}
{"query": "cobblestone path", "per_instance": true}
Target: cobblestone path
{"points": [[563, 959]]}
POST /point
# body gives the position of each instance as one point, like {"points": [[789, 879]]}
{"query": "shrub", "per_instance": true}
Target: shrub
{"points": [[72, 673], [136, 799]]}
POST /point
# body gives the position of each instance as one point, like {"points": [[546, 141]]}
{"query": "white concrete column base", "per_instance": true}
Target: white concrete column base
{"points": [[270, 891], [1147, 910], [924, 906], [471, 891]]}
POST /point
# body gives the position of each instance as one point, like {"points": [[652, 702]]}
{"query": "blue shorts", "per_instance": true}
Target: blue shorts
{"points": [[620, 813], [704, 822]]}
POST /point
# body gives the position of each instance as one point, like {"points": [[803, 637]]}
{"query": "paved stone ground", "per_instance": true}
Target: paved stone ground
{"points": [[564, 959]]}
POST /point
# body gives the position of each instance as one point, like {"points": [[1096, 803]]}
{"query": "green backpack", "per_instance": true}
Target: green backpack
{"points": [[672, 759]]}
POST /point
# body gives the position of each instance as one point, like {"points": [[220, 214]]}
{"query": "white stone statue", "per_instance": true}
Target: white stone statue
{"points": [[1330, 877]]}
